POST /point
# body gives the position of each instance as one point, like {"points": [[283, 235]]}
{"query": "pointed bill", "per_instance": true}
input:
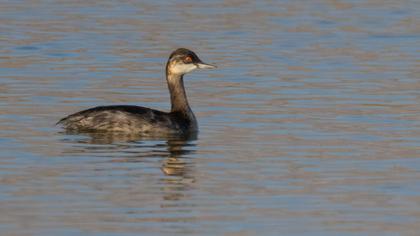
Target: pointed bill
{"points": [[202, 65]]}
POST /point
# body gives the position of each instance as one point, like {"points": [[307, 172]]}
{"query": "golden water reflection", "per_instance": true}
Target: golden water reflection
{"points": [[309, 126], [174, 162]]}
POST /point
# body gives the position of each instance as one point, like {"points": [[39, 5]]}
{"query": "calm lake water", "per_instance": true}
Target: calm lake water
{"points": [[309, 126]]}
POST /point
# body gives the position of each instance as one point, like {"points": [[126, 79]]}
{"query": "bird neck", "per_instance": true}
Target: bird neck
{"points": [[179, 102]]}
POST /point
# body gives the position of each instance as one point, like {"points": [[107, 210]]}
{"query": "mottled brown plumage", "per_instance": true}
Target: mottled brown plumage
{"points": [[136, 119]]}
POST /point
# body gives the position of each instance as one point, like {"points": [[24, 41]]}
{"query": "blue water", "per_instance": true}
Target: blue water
{"points": [[309, 126]]}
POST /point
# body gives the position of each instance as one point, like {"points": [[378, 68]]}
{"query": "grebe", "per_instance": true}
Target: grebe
{"points": [[136, 119]]}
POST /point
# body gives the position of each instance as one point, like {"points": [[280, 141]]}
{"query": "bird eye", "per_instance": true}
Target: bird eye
{"points": [[187, 59]]}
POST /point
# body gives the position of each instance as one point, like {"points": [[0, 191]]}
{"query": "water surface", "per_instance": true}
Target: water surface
{"points": [[309, 126]]}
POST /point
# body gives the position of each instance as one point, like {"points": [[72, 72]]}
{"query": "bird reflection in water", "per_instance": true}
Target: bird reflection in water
{"points": [[172, 152], [175, 162], [178, 170]]}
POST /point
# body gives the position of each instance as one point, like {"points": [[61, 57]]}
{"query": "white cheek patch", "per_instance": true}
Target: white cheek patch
{"points": [[183, 68]]}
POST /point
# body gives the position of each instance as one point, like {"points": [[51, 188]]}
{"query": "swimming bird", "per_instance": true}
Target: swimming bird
{"points": [[143, 120]]}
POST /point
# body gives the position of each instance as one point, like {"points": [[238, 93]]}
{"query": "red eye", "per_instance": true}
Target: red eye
{"points": [[187, 59]]}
